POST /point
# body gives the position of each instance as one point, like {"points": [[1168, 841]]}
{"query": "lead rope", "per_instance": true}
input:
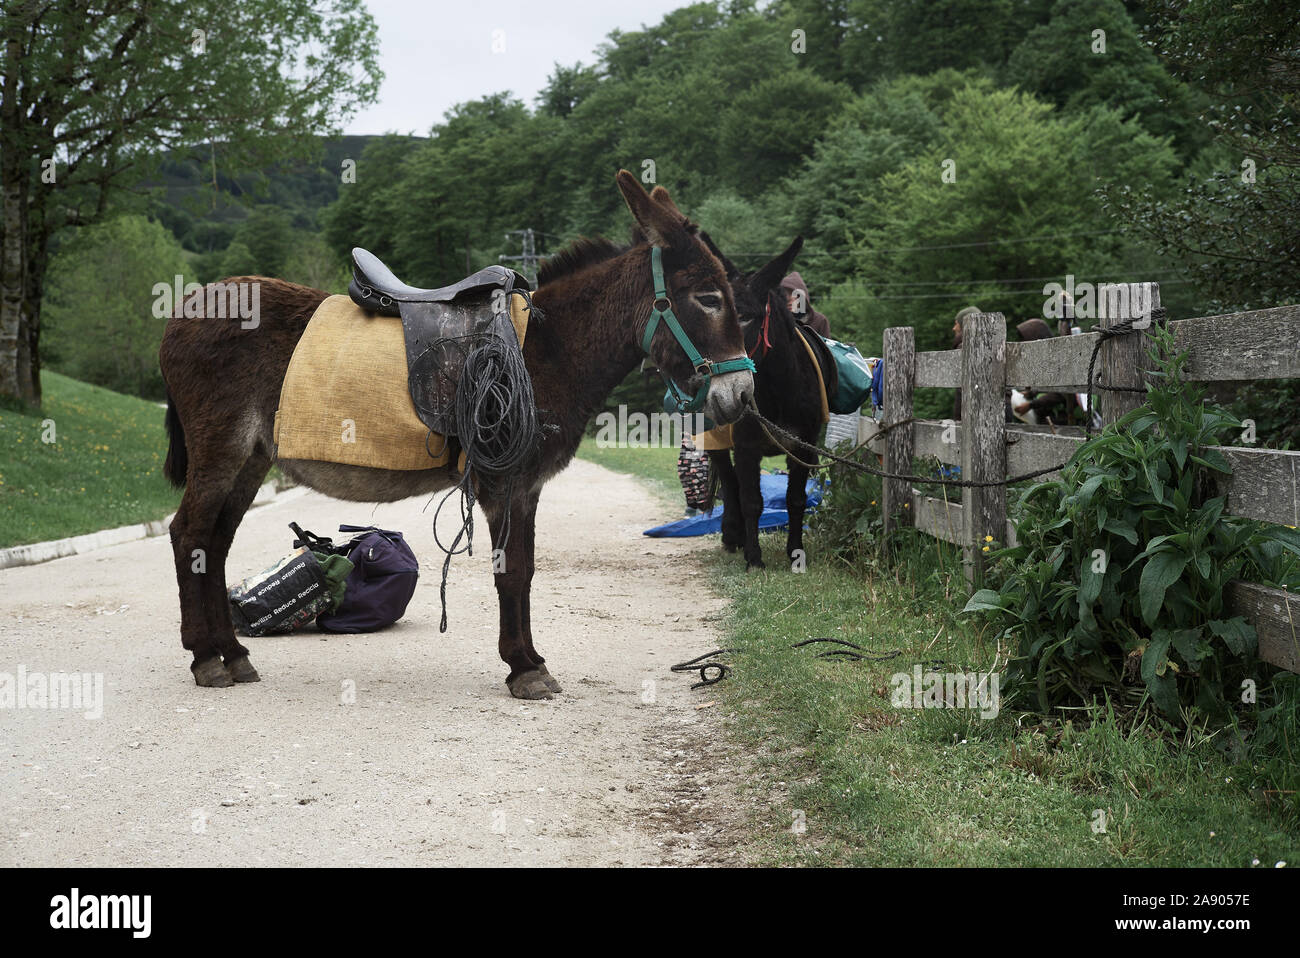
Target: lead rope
{"points": [[1119, 329]]}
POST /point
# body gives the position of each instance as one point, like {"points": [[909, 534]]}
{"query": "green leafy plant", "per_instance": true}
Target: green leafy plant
{"points": [[1117, 585], [850, 518]]}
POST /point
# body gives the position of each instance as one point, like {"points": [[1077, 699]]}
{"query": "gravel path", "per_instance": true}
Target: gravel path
{"points": [[433, 764]]}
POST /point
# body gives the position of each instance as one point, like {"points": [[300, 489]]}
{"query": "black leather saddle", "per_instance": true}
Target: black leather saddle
{"points": [[440, 326]]}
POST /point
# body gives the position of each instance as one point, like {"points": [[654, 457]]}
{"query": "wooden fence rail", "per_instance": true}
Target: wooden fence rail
{"points": [[1265, 483]]}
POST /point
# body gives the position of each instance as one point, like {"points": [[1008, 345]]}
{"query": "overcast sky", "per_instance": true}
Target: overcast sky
{"points": [[436, 54]]}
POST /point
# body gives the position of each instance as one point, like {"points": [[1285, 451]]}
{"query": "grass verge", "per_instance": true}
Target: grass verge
{"points": [[875, 784], [657, 466], [882, 785], [102, 469]]}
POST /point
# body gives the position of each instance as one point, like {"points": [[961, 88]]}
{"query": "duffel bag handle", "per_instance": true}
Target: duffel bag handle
{"points": [[310, 540], [386, 533]]}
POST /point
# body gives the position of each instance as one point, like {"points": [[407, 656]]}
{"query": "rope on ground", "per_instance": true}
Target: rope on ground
{"points": [[851, 652], [723, 670]]}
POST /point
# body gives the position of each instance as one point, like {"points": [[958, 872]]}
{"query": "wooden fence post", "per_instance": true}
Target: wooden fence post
{"points": [[1123, 360], [983, 436], [900, 379]]}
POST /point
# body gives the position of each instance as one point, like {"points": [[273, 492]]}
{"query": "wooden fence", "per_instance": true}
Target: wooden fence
{"points": [[1265, 483]]}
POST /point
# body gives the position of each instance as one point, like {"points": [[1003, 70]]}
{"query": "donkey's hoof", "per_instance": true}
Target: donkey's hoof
{"points": [[211, 674], [529, 685], [731, 546], [755, 565], [241, 670], [549, 679]]}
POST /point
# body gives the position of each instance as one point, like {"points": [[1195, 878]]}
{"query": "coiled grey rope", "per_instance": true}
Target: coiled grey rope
{"points": [[495, 417]]}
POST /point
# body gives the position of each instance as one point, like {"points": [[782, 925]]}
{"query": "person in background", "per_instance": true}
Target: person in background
{"points": [[800, 301], [960, 318], [1031, 407]]}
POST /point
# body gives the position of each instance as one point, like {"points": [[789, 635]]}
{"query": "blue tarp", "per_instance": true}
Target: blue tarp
{"points": [[774, 514]]}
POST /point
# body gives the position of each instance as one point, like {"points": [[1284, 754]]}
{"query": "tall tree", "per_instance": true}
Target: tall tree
{"points": [[1091, 54], [115, 343], [1001, 203], [1238, 229], [93, 91]]}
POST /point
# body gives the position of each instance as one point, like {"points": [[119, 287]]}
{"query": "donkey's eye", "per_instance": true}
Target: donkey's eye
{"points": [[710, 301]]}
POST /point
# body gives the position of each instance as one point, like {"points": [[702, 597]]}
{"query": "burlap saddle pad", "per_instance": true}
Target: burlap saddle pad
{"points": [[345, 397]]}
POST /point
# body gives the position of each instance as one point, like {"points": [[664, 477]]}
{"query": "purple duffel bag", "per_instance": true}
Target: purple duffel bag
{"points": [[382, 582]]}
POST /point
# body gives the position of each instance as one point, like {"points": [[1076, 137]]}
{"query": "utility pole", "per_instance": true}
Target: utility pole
{"points": [[528, 259]]}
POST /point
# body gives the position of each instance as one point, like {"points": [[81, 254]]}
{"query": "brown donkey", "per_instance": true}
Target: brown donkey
{"points": [[223, 384]]}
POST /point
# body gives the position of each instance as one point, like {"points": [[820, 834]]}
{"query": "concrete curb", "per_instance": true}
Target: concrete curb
{"points": [[37, 552]]}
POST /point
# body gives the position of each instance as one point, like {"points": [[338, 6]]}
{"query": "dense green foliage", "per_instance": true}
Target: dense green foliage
{"points": [[102, 329], [933, 156], [880, 785], [843, 142], [1117, 587], [98, 95]]}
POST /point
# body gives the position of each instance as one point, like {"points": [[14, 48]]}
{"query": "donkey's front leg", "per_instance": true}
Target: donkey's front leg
{"points": [[796, 501], [525, 603], [512, 566], [749, 464]]}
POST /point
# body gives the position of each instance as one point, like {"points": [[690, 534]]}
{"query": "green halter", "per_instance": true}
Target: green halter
{"points": [[702, 366]]}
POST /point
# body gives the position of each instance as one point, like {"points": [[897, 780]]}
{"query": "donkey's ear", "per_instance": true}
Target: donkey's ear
{"points": [[661, 226], [770, 276], [733, 274], [660, 196]]}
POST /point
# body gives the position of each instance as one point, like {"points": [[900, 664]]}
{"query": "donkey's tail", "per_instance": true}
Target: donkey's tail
{"points": [[178, 457]]}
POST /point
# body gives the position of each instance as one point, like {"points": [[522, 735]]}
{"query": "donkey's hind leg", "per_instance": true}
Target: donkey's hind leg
{"points": [[191, 533], [238, 499], [217, 493]]}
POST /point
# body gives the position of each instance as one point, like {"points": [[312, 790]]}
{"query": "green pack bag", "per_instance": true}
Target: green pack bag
{"points": [[287, 595], [854, 377]]}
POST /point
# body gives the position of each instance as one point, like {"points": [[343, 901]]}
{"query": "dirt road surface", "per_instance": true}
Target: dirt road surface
{"points": [[433, 764]]}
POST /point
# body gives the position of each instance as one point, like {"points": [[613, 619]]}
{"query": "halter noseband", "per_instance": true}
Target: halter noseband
{"points": [[704, 367]]}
